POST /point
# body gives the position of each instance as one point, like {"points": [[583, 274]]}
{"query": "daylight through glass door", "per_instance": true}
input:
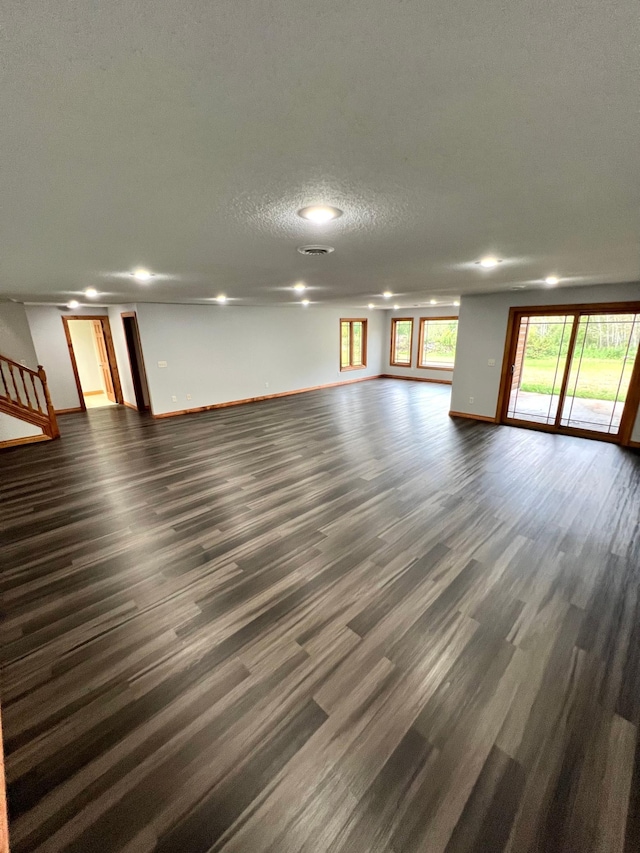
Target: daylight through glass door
{"points": [[571, 371]]}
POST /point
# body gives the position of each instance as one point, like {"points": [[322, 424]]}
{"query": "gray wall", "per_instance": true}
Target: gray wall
{"points": [[415, 372], [221, 353], [482, 334], [15, 336], [47, 331]]}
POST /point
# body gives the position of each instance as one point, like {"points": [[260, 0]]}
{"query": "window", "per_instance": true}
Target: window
{"points": [[353, 344], [437, 348], [401, 341]]}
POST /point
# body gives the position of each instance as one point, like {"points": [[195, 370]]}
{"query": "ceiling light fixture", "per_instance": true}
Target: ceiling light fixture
{"points": [[371, 305], [433, 302], [73, 303], [305, 301], [489, 263], [551, 280], [395, 307], [320, 213], [91, 292], [221, 299], [456, 302], [387, 294], [300, 286], [141, 274]]}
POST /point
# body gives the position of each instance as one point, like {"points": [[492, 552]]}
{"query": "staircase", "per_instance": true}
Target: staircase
{"points": [[24, 395]]}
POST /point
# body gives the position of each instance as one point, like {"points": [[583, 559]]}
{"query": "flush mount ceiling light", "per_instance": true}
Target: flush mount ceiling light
{"points": [[551, 280], [387, 294], [320, 213], [395, 307], [300, 286], [91, 292], [371, 305], [456, 302], [221, 299], [315, 251], [433, 302], [141, 274], [489, 263], [73, 303], [305, 301]]}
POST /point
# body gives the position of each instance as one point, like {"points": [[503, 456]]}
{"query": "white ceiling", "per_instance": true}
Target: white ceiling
{"points": [[183, 135]]}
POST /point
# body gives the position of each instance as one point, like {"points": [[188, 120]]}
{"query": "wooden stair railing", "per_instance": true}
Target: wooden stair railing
{"points": [[24, 394]]}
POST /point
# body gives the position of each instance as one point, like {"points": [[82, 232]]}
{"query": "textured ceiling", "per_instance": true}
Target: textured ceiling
{"points": [[183, 136]]}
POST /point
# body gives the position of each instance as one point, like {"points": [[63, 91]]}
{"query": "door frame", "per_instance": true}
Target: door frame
{"points": [[111, 354], [623, 436], [141, 405]]}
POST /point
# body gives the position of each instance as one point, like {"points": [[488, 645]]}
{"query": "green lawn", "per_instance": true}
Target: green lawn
{"points": [[599, 378]]}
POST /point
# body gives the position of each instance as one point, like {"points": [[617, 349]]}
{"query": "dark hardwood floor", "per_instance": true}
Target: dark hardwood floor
{"points": [[334, 622]]}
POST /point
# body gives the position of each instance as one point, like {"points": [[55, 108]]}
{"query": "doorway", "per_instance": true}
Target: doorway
{"points": [[136, 361], [93, 361], [573, 370]]}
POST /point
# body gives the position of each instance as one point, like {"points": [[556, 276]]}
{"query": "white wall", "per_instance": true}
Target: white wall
{"points": [[120, 347], [12, 428], [16, 343], [222, 353], [86, 353], [482, 333], [414, 371]]}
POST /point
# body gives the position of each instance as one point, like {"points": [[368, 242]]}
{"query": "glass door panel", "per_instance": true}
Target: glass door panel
{"points": [[538, 368], [603, 358]]}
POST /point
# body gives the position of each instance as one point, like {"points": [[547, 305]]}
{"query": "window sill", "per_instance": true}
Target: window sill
{"points": [[433, 367], [355, 367]]}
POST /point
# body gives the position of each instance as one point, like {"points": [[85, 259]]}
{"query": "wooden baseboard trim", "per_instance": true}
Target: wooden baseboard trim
{"points": [[471, 417], [28, 439], [91, 393], [265, 397], [130, 406], [70, 411], [4, 824], [633, 444], [416, 379]]}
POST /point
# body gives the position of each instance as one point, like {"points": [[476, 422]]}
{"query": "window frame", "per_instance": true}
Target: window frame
{"points": [[423, 321], [394, 323], [351, 321]]}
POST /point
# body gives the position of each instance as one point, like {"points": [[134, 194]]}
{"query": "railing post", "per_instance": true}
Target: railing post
{"points": [[54, 432]]}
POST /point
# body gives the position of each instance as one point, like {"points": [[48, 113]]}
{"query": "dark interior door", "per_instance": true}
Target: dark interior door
{"points": [[135, 360]]}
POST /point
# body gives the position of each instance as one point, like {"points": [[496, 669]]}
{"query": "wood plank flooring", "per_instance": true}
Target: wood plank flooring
{"points": [[334, 622]]}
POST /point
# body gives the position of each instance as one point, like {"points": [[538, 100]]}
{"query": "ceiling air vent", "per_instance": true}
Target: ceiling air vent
{"points": [[315, 250]]}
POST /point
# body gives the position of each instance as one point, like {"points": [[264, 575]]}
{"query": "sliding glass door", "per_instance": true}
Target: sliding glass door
{"points": [[573, 370]]}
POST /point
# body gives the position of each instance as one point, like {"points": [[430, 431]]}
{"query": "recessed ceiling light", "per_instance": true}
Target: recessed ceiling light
{"points": [[395, 307], [456, 302], [489, 263], [319, 214], [91, 292], [433, 302], [73, 303], [300, 286], [305, 301], [141, 274], [222, 298], [387, 294], [371, 305], [551, 279]]}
